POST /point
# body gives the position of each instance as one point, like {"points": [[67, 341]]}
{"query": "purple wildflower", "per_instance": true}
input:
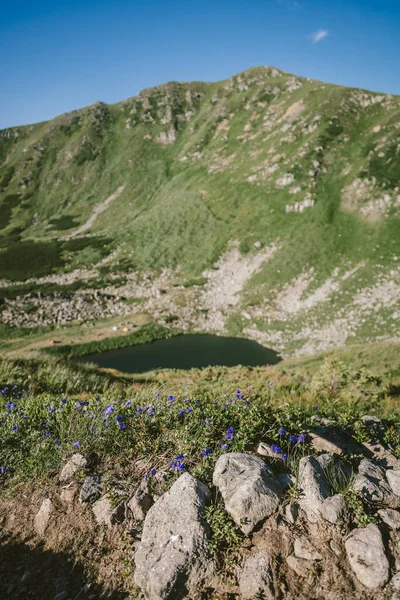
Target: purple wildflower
{"points": [[301, 439], [77, 444], [206, 452], [293, 439], [282, 431], [230, 433]]}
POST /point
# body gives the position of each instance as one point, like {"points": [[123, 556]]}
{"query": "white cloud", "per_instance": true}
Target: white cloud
{"points": [[319, 35]]}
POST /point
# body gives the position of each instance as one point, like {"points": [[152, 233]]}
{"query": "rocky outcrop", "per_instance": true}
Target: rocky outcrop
{"points": [[173, 558], [249, 488]]}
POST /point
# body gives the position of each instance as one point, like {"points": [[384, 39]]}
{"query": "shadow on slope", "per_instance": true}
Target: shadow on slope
{"points": [[34, 573]]}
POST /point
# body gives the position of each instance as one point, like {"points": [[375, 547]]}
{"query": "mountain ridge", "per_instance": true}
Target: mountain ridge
{"points": [[295, 176]]}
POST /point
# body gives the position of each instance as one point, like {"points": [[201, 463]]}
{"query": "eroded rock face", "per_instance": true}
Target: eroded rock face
{"points": [[173, 560], [367, 556], [256, 577], [249, 488], [76, 462], [314, 488]]}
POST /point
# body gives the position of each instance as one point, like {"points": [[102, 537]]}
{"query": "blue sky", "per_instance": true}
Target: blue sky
{"points": [[60, 55]]}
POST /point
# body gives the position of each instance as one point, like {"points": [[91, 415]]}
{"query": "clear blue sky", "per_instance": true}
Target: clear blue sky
{"points": [[59, 55]]}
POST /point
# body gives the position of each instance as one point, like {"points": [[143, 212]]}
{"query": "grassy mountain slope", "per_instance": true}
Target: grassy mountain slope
{"points": [[303, 176]]}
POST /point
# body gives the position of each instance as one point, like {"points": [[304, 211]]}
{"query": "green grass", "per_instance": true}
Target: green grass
{"points": [[51, 409]]}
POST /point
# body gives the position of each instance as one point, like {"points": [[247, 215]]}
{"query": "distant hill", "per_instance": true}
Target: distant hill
{"points": [[266, 205]]}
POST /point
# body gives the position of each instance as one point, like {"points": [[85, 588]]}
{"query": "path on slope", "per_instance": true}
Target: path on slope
{"points": [[100, 208]]}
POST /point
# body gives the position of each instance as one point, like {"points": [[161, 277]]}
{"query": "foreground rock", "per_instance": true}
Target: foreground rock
{"points": [[91, 488], [314, 488], [367, 557], [75, 463], [256, 577], [172, 560], [140, 503], [249, 488], [43, 516], [372, 483], [393, 478], [107, 514], [390, 517]]}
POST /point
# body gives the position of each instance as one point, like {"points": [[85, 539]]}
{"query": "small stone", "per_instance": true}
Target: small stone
{"points": [[76, 462], [299, 565], [334, 510], [106, 514], [336, 549], [140, 503], [395, 596], [43, 517], [266, 450], [249, 488], [67, 495], [395, 582], [26, 576], [334, 440], [391, 517], [393, 477], [367, 556], [61, 596], [256, 577], [303, 548], [61, 583], [291, 512], [91, 488]]}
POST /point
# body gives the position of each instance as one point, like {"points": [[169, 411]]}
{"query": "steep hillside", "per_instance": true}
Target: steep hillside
{"points": [[266, 205]]}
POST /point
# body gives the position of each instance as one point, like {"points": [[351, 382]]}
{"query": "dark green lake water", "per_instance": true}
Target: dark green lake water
{"points": [[185, 352]]}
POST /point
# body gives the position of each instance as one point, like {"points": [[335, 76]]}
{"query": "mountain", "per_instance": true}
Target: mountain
{"points": [[265, 205]]}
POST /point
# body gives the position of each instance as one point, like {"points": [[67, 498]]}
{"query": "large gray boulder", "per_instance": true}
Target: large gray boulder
{"points": [[256, 577], [173, 560], [249, 488], [313, 486], [367, 556], [372, 483]]}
